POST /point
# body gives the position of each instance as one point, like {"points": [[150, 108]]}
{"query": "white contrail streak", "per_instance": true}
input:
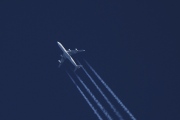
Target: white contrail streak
{"points": [[113, 94], [107, 100], [92, 107], [97, 102]]}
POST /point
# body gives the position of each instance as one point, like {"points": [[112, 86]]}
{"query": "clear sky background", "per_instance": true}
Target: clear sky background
{"points": [[133, 45]]}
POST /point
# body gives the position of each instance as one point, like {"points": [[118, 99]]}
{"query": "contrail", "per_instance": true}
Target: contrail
{"points": [[107, 100], [92, 107], [113, 94], [97, 102]]}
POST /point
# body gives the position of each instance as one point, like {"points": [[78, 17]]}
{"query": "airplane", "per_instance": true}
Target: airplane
{"points": [[67, 54]]}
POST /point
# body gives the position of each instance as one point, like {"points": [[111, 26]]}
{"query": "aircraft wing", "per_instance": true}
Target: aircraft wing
{"points": [[61, 61], [72, 52]]}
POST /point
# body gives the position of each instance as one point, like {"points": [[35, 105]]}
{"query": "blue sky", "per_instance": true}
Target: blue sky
{"points": [[133, 45]]}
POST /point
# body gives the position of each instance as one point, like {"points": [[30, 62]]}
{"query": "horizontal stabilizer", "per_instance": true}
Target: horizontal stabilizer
{"points": [[77, 67]]}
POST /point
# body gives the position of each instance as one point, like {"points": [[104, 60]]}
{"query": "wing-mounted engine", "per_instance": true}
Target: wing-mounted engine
{"points": [[72, 52], [61, 61]]}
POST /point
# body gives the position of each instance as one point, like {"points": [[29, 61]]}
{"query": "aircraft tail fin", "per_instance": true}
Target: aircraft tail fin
{"points": [[77, 67]]}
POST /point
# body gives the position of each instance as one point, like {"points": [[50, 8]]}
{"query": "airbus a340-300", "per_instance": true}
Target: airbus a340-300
{"points": [[67, 55]]}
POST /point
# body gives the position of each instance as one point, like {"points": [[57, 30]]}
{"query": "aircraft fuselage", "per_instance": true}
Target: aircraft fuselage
{"points": [[65, 53]]}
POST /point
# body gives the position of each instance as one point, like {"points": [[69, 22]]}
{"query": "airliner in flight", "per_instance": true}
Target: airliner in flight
{"points": [[67, 54]]}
